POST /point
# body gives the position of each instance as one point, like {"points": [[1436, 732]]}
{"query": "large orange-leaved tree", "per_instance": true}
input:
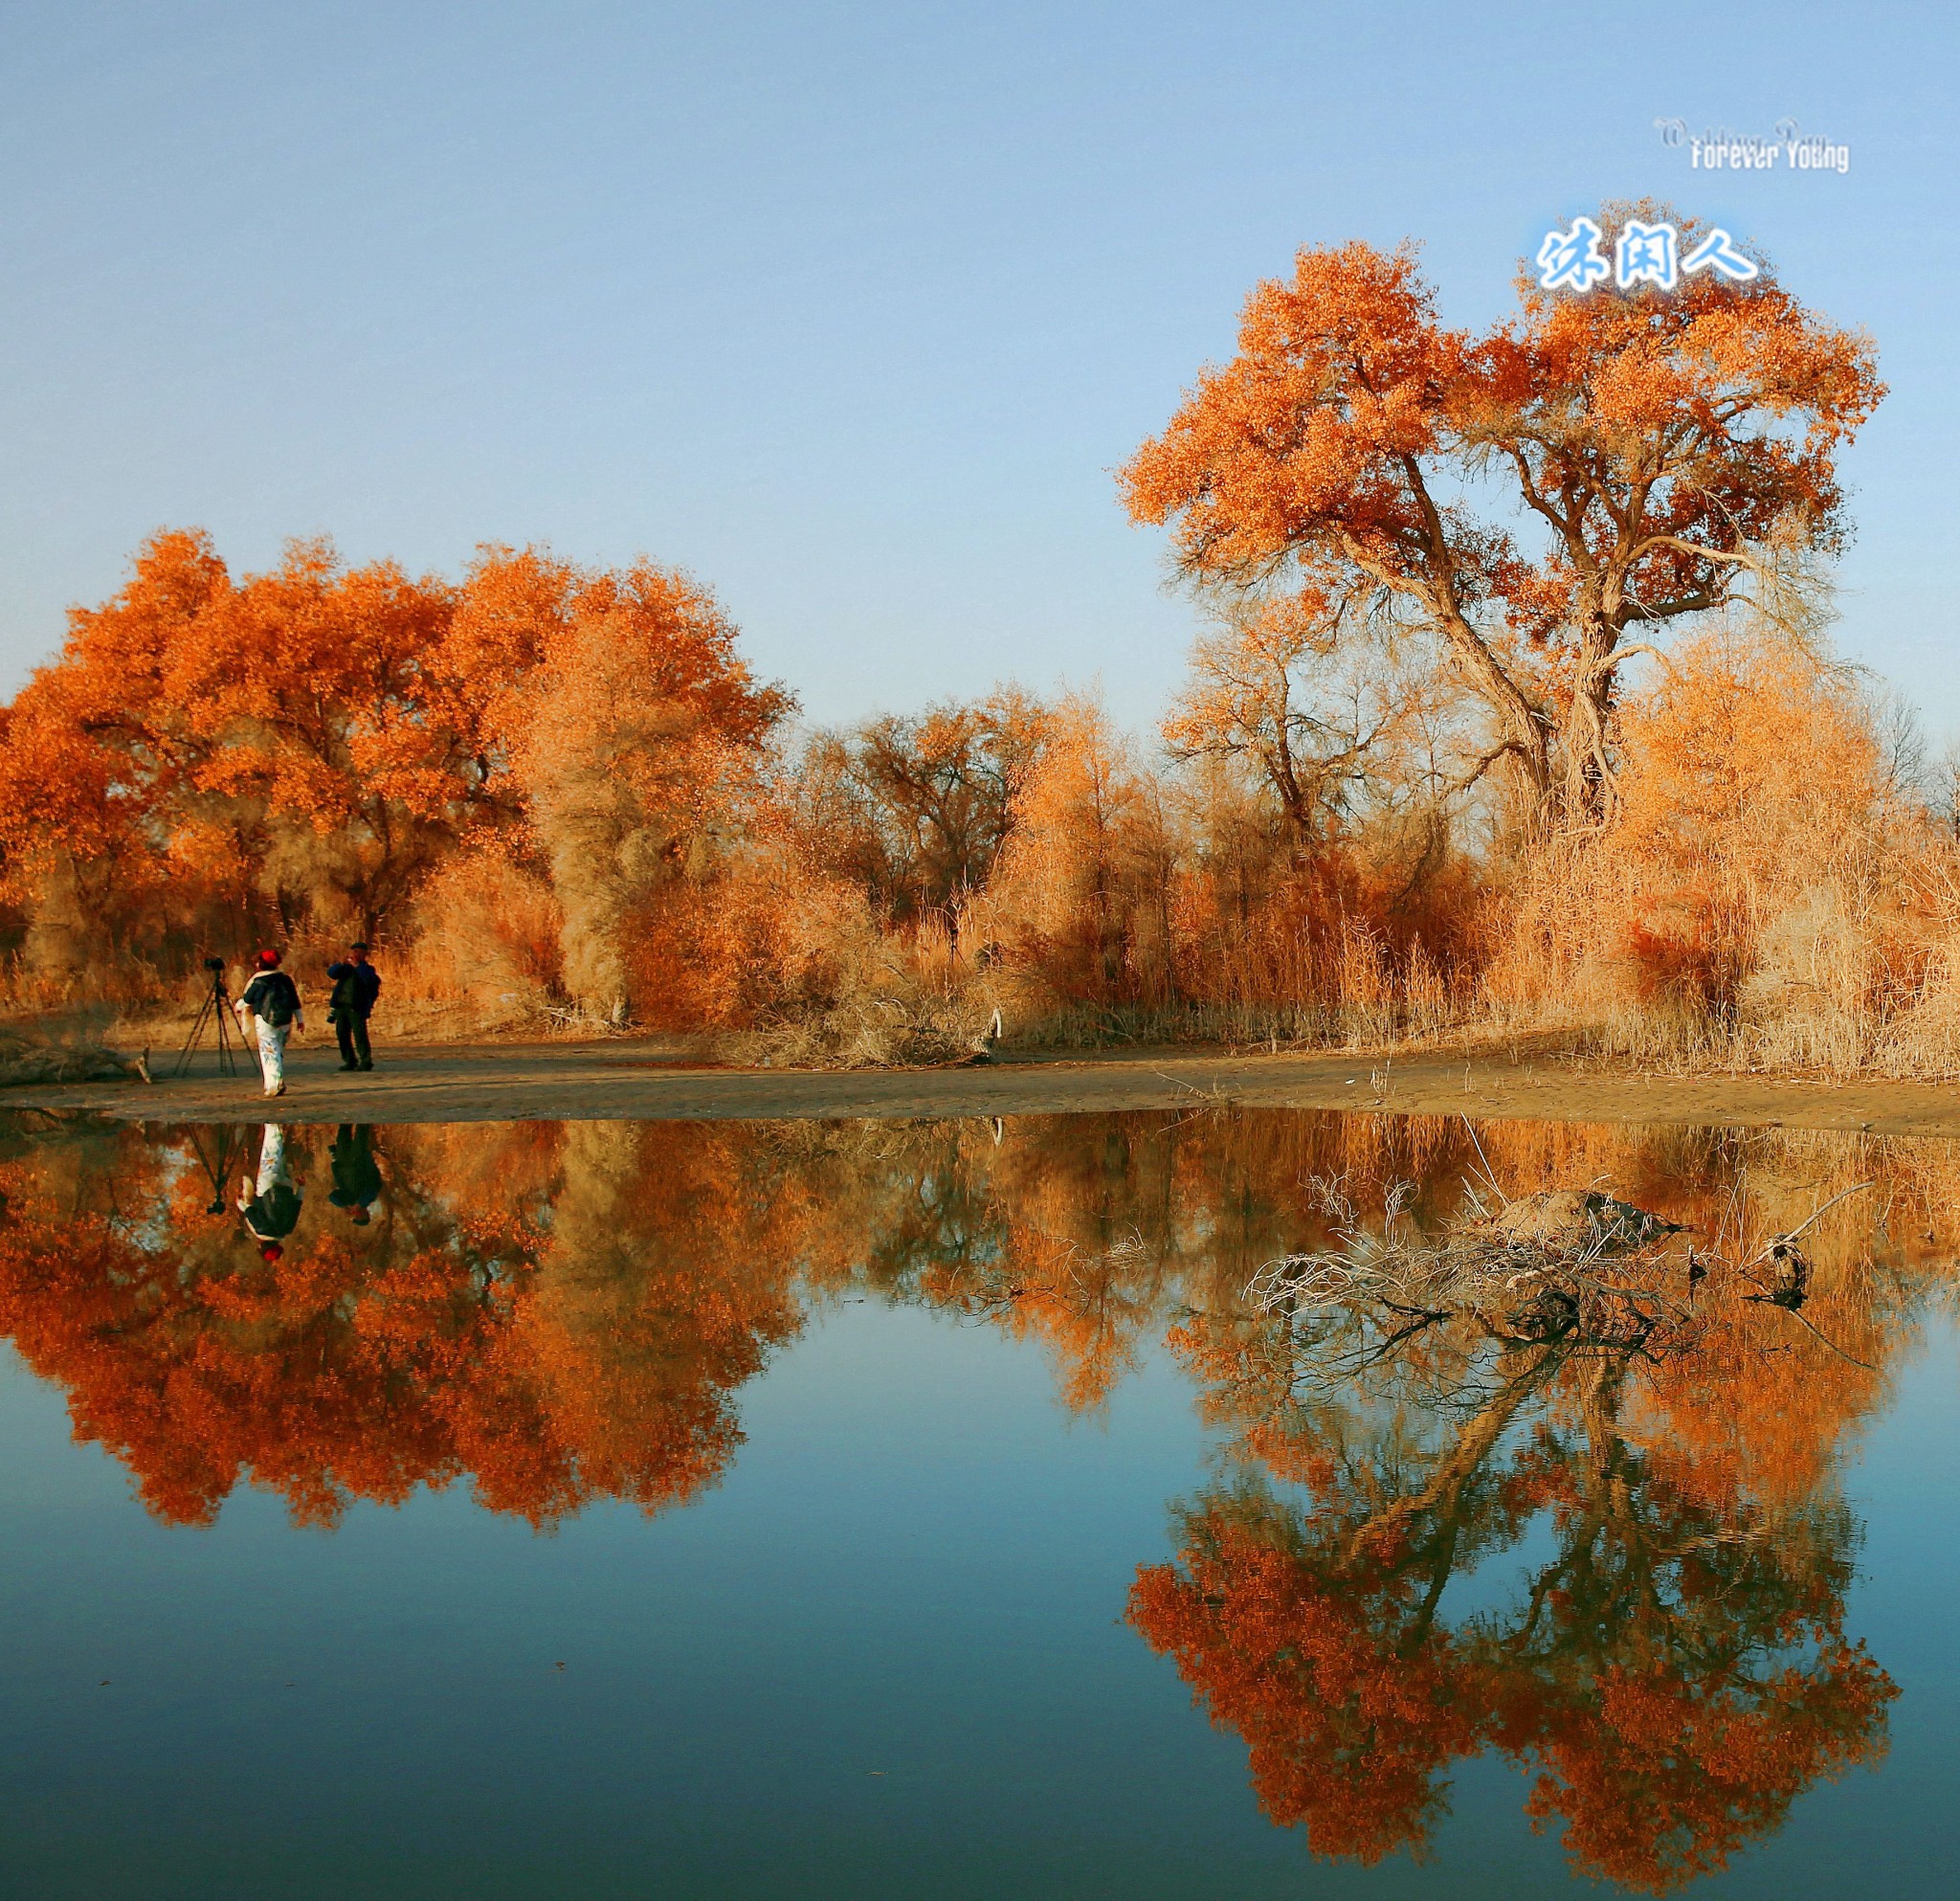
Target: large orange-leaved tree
{"points": [[1538, 500]]}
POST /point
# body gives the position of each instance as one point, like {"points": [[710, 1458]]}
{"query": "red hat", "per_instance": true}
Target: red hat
{"points": [[271, 1251], [268, 960]]}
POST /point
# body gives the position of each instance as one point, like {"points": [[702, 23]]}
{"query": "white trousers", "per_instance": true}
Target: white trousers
{"points": [[272, 1160], [272, 1055]]}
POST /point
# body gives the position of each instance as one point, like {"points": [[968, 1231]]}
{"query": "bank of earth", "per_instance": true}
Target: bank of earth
{"points": [[622, 1078]]}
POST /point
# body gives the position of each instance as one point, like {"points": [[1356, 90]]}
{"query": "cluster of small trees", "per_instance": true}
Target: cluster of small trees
{"points": [[1407, 780], [546, 786], [220, 762]]}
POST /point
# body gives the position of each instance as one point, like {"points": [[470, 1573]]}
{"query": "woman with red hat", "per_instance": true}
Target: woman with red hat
{"points": [[271, 1006]]}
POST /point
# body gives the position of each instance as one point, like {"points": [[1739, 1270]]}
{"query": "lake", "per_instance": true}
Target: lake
{"points": [[859, 1510]]}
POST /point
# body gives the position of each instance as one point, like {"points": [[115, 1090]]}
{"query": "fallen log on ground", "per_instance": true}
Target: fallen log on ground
{"points": [[30, 1059]]}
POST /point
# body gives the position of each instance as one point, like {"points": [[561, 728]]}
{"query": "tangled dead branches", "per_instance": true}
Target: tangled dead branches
{"points": [[1574, 1268], [1543, 1268]]}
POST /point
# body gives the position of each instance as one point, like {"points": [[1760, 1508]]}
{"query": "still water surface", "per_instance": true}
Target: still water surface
{"points": [[606, 1509]]}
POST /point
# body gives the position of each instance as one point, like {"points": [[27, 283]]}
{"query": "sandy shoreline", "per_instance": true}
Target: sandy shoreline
{"points": [[624, 1080]]}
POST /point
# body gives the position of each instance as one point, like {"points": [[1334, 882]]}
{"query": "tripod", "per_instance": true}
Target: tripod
{"points": [[216, 1008]]}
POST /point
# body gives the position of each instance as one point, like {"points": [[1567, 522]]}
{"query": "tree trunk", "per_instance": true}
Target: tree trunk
{"points": [[58, 932], [1585, 791]]}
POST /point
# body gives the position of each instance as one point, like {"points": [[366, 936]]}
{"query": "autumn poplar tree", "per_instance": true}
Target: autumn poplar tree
{"points": [[1538, 500], [270, 747], [314, 697], [630, 724], [917, 808], [1677, 1673], [100, 794]]}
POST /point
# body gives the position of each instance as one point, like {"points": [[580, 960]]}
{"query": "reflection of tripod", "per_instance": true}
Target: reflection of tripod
{"points": [[216, 1008], [217, 1165]]}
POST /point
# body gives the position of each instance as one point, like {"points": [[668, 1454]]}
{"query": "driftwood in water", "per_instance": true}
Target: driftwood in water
{"points": [[1533, 1259], [1574, 1221], [1569, 1265]]}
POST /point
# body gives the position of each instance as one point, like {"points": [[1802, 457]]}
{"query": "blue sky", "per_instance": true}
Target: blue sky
{"points": [[852, 310]]}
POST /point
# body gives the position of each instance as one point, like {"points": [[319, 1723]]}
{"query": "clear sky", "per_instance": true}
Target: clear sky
{"points": [[852, 309]]}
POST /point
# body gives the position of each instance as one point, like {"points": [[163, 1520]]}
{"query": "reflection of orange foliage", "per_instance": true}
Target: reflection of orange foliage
{"points": [[1680, 1673], [1661, 1777], [537, 1305], [1764, 1406], [192, 1386], [566, 1315], [655, 1298], [1348, 1714], [594, 1360], [1676, 1680]]}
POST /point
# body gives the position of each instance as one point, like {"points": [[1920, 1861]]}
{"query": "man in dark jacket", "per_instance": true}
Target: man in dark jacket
{"points": [[356, 984], [356, 1174]]}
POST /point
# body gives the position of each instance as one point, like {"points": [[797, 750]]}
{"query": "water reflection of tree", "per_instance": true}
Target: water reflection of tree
{"points": [[1059, 1234], [566, 1313], [556, 1315], [1676, 1672]]}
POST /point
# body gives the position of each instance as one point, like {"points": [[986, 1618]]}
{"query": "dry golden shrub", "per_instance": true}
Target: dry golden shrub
{"points": [[1763, 895], [1075, 921], [488, 930], [786, 964]]}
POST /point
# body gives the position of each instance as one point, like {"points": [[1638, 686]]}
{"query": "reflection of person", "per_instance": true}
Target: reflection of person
{"points": [[356, 984], [356, 1176], [271, 1004], [271, 1203]]}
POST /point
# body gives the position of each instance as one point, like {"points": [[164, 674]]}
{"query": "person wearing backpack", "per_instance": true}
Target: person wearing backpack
{"points": [[271, 1007], [270, 1204]]}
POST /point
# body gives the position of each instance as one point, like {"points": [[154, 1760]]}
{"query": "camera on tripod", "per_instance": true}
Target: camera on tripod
{"points": [[215, 1011]]}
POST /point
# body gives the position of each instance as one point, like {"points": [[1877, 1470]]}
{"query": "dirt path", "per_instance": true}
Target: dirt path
{"points": [[627, 1081]]}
